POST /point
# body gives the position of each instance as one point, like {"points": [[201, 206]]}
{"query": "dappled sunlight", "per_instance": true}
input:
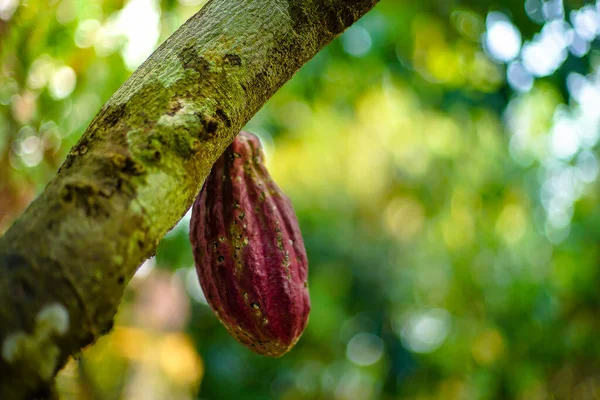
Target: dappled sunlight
{"points": [[424, 332], [487, 347]]}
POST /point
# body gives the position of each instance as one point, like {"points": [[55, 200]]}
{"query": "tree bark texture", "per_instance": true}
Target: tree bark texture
{"points": [[136, 171]]}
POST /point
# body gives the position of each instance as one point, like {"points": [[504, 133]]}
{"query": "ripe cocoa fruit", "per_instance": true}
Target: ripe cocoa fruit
{"points": [[249, 252]]}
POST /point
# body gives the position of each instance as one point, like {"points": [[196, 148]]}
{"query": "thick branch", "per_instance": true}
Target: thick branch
{"points": [[137, 169]]}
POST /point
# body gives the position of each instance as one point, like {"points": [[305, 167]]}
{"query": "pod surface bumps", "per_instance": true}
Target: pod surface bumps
{"points": [[249, 253]]}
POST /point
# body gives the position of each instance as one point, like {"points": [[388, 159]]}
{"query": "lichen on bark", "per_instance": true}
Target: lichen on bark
{"points": [[141, 162]]}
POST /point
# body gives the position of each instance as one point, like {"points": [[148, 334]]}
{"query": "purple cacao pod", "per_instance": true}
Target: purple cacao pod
{"points": [[249, 252]]}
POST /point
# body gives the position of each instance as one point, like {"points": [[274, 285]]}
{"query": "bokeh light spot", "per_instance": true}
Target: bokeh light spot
{"points": [[487, 347], [518, 77], [179, 360], [547, 51], [357, 41], [364, 349], [7, 8], [425, 332], [502, 39], [62, 83], [511, 223]]}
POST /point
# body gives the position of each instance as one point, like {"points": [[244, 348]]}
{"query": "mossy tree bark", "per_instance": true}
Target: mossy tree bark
{"points": [[137, 169]]}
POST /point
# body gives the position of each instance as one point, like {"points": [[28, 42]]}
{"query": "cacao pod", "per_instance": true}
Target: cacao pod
{"points": [[249, 253]]}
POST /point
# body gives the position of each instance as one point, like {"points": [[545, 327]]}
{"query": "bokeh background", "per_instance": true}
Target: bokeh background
{"points": [[442, 158]]}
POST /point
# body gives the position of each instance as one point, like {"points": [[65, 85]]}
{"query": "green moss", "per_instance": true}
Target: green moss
{"points": [[36, 352]]}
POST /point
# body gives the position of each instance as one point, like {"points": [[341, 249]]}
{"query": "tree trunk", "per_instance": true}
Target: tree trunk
{"points": [[136, 171]]}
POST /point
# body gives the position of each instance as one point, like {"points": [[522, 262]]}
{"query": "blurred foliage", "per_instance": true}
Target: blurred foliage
{"points": [[442, 158]]}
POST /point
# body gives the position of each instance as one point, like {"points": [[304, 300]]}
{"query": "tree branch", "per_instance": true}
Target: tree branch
{"points": [[137, 169]]}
